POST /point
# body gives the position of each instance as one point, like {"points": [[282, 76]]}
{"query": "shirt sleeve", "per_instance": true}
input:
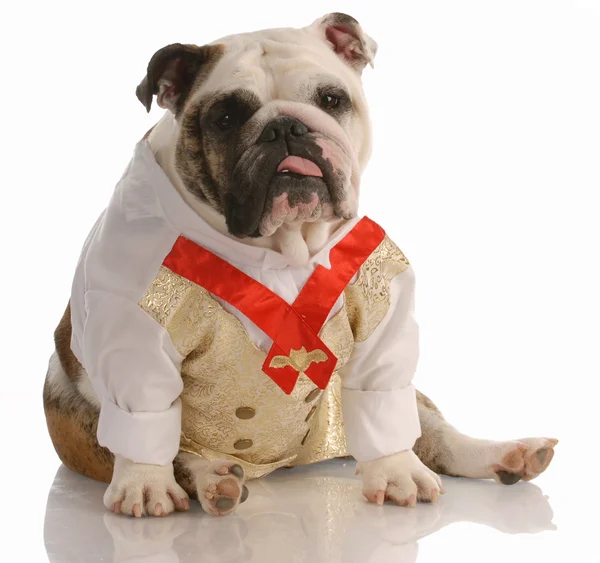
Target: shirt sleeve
{"points": [[378, 398], [136, 373]]}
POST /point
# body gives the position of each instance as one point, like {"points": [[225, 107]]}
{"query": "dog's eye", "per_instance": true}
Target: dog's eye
{"points": [[329, 101], [225, 122]]}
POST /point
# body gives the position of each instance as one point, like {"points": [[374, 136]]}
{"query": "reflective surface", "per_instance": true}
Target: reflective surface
{"points": [[310, 514]]}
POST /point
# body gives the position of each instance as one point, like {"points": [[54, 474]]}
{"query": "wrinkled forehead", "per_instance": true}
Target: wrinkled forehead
{"points": [[277, 64]]}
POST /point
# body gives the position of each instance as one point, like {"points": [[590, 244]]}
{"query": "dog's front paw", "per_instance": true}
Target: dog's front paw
{"points": [[139, 490], [401, 478]]}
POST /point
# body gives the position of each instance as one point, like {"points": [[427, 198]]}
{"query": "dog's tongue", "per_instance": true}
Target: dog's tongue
{"points": [[300, 165]]}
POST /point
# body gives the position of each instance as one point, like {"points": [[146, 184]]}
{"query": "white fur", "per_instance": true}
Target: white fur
{"points": [[58, 383], [293, 246], [137, 489], [84, 386], [475, 458], [402, 477], [317, 235]]}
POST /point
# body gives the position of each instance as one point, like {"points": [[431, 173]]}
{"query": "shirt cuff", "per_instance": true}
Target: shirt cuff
{"points": [[380, 423], [142, 437]]}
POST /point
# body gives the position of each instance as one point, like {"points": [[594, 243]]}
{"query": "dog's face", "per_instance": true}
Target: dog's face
{"points": [[274, 125]]}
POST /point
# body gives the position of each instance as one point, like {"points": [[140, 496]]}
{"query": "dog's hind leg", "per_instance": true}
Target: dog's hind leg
{"points": [[446, 451], [218, 485], [72, 424], [72, 410]]}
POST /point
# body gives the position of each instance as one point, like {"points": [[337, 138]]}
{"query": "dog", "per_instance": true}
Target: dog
{"points": [[235, 232]]}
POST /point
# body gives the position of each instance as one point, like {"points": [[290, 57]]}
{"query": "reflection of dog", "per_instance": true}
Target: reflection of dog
{"points": [[315, 517], [256, 164], [145, 540]]}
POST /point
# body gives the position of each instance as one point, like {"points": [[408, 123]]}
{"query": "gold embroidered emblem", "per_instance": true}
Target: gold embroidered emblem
{"points": [[300, 360]]}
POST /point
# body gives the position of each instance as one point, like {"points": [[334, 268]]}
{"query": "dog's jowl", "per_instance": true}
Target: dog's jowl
{"points": [[231, 314]]}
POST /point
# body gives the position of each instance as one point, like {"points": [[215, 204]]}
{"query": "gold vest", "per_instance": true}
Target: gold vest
{"points": [[231, 409]]}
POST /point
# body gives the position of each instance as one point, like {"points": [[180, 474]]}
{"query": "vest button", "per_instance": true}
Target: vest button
{"points": [[309, 415], [243, 444], [305, 437], [312, 395], [245, 413]]}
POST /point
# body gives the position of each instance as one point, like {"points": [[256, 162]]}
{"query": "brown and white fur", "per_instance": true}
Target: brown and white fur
{"points": [[224, 98]]}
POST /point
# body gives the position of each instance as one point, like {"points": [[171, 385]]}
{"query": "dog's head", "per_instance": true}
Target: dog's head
{"points": [[273, 125]]}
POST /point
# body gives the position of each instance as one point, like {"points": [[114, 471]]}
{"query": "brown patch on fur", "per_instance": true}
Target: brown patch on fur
{"points": [[62, 341], [427, 403], [183, 66], [191, 162], [184, 477], [428, 451], [430, 447], [214, 54], [72, 424], [201, 156]]}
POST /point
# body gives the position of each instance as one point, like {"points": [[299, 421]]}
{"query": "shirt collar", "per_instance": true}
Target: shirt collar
{"points": [[185, 220]]}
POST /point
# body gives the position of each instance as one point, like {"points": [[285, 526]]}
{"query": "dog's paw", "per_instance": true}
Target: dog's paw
{"points": [[220, 486], [401, 478], [523, 459], [139, 490]]}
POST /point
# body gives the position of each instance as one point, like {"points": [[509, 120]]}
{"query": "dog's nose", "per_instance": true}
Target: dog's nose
{"points": [[282, 128]]}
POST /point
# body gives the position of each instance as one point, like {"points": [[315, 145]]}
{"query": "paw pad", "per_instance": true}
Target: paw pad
{"points": [[507, 478], [221, 488], [526, 460]]}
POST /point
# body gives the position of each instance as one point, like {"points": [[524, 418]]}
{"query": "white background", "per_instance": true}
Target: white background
{"points": [[486, 172]]}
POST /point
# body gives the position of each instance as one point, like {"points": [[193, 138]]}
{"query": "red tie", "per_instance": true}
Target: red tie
{"points": [[294, 328]]}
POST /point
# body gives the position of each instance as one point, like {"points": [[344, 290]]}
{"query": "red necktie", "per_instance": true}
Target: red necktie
{"points": [[294, 328]]}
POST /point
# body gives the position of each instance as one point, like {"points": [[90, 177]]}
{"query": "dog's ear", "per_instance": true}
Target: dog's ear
{"points": [[172, 72], [345, 36]]}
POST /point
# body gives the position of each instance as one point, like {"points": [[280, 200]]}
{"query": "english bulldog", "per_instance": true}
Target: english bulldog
{"points": [[254, 168]]}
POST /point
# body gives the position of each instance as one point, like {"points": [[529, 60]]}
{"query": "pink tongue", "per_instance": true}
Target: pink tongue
{"points": [[300, 165]]}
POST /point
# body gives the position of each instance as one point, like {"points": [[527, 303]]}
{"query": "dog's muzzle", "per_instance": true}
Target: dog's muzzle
{"points": [[287, 179], [289, 130]]}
